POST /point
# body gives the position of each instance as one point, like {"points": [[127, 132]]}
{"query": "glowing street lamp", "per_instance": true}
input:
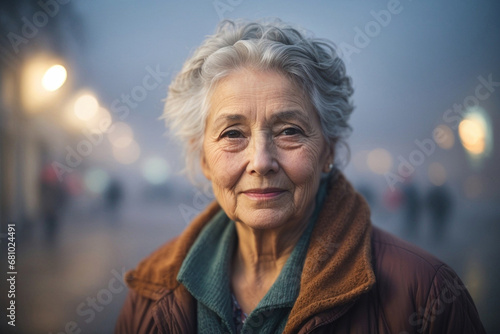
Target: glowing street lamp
{"points": [[476, 135], [41, 79], [472, 133], [54, 78]]}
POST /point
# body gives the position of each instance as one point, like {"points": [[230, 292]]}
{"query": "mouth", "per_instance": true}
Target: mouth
{"points": [[263, 193]]}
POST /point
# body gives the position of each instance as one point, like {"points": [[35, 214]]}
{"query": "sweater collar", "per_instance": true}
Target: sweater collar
{"points": [[337, 268], [205, 270]]}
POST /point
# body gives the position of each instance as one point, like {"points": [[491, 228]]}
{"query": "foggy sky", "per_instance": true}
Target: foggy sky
{"points": [[424, 58]]}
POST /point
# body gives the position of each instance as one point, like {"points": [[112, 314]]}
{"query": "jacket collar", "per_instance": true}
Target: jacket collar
{"points": [[338, 262], [337, 268]]}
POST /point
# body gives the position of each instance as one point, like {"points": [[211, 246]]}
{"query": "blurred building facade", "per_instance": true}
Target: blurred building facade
{"points": [[33, 37]]}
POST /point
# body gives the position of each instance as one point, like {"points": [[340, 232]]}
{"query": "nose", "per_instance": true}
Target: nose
{"points": [[262, 155]]}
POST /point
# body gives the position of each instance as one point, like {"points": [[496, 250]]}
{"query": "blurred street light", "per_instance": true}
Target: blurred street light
{"points": [[156, 170], [83, 112], [472, 136], [476, 135], [86, 106], [96, 180], [54, 78], [41, 78], [437, 174], [379, 161], [444, 136], [127, 155], [121, 136]]}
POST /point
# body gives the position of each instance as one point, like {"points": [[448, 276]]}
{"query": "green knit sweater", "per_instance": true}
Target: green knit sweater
{"points": [[205, 273]]}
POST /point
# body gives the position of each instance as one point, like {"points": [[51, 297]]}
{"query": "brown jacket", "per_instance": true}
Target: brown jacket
{"points": [[356, 279]]}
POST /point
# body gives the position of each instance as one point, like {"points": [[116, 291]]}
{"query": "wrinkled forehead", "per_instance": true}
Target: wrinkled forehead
{"points": [[252, 91]]}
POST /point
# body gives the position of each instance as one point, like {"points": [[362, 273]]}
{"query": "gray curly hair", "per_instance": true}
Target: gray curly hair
{"points": [[311, 62]]}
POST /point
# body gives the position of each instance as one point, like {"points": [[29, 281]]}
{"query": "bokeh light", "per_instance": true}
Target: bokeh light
{"points": [[121, 135], [39, 83], [156, 170], [128, 154], [444, 137], [472, 135], [476, 135], [86, 106], [379, 161], [101, 121], [437, 174], [96, 180], [54, 78]]}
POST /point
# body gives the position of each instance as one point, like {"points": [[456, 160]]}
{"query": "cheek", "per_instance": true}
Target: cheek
{"points": [[224, 168], [304, 171], [225, 171], [304, 166]]}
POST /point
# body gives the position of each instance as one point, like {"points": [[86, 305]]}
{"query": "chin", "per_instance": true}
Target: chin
{"points": [[265, 219]]}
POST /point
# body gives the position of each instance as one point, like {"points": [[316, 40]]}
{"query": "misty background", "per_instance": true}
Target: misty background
{"points": [[92, 180]]}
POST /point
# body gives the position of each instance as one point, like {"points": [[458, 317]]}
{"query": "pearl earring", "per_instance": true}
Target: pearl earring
{"points": [[330, 166]]}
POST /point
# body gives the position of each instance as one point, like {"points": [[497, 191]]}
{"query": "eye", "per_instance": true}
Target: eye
{"points": [[232, 134], [291, 131]]}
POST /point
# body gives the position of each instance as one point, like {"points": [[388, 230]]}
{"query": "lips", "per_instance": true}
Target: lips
{"points": [[263, 193]]}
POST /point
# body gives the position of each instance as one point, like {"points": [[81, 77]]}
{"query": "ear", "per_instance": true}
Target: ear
{"points": [[330, 158], [205, 168]]}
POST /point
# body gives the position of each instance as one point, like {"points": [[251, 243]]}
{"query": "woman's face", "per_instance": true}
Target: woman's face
{"points": [[263, 149]]}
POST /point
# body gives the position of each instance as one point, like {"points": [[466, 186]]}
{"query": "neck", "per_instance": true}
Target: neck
{"points": [[259, 258], [262, 253], [258, 261]]}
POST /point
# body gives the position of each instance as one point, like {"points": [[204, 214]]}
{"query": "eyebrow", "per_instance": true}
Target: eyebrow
{"points": [[281, 116], [221, 119], [290, 115]]}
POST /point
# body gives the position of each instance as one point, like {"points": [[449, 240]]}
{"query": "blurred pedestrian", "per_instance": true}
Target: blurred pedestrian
{"points": [[439, 203], [52, 200], [113, 198]]}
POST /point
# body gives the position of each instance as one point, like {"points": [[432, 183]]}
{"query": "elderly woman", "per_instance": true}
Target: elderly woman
{"points": [[288, 245]]}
